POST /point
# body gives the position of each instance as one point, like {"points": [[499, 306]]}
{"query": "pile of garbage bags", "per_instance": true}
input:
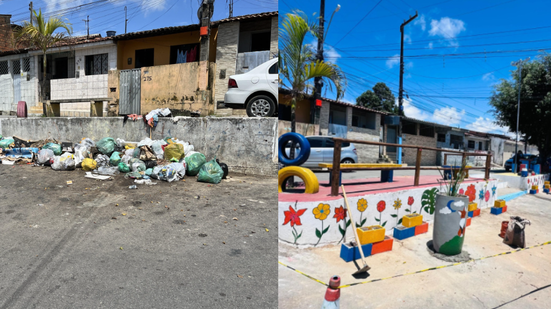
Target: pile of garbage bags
{"points": [[168, 159]]}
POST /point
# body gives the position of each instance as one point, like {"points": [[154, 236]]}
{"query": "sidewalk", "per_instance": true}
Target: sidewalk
{"points": [[485, 283]]}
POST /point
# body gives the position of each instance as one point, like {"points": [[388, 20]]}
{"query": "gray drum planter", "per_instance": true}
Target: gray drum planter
{"points": [[450, 219]]}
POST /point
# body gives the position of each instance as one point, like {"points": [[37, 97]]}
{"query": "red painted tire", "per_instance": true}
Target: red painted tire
{"points": [[22, 109]]}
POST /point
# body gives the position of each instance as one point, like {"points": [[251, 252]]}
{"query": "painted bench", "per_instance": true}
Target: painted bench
{"points": [[387, 169]]}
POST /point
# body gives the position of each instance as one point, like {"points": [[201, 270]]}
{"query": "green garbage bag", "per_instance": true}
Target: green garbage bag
{"points": [[210, 172], [175, 151], [1, 137], [137, 165], [106, 145], [56, 148], [123, 168], [194, 162], [149, 171], [115, 158], [5, 143]]}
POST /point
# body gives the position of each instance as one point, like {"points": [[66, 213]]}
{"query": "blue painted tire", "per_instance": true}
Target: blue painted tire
{"points": [[296, 138]]}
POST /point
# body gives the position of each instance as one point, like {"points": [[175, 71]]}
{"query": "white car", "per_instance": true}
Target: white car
{"points": [[255, 90]]}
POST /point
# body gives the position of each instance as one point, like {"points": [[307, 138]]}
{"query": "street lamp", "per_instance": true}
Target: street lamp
{"points": [[329, 24]]}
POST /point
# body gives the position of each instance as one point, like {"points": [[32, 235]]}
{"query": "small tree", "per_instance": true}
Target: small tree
{"points": [[381, 98], [297, 62], [535, 106], [41, 34]]}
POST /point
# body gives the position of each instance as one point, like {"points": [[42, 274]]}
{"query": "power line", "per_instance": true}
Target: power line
{"points": [[359, 22]]}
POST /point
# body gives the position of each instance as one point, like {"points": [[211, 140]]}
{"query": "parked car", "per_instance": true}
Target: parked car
{"points": [[256, 90], [321, 151], [509, 163]]}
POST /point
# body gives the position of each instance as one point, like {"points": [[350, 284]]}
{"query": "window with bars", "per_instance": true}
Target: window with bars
{"points": [[96, 64], [26, 64], [16, 65], [4, 68]]}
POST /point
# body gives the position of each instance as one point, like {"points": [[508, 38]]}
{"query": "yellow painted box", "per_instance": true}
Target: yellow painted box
{"points": [[371, 234], [499, 203], [547, 183], [534, 187], [473, 206], [546, 186], [412, 220]]}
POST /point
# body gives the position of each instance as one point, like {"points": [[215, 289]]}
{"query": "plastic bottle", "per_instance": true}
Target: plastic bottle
{"points": [[133, 187]]}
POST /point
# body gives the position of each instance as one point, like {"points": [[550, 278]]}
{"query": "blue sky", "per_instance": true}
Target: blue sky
{"points": [[455, 50], [142, 14]]}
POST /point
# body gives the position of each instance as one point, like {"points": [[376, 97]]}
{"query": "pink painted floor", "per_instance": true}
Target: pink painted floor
{"points": [[358, 187]]}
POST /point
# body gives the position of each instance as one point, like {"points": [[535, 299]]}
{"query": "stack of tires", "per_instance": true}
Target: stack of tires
{"points": [[292, 166]]}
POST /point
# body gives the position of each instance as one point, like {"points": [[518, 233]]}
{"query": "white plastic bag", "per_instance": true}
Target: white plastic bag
{"points": [[65, 162], [157, 148], [87, 143], [108, 170], [81, 153], [145, 142], [189, 153], [187, 146], [45, 155], [102, 160]]}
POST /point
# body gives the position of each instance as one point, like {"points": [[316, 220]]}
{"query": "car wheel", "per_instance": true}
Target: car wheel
{"points": [[347, 161], [261, 106]]}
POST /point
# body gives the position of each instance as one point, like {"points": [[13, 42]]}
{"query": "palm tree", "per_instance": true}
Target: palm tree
{"points": [[41, 34], [297, 61]]}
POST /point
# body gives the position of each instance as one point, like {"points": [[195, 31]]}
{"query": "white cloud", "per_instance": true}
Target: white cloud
{"points": [[430, 45], [448, 115], [421, 21], [488, 76], [392, 61], [331, 54], [413, 112], [488, 125], [407, 38], [446, 27]]}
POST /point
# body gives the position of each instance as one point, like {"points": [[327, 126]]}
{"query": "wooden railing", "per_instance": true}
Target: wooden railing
{"points": [[336, 169]]}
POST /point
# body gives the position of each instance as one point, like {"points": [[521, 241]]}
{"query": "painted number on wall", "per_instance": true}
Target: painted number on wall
{"points": [[147, 78]]}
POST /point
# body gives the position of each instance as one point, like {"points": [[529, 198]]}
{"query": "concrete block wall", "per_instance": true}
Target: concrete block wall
{"points": [[246, 145], [274, 35], [226, 57], [428, 157]]}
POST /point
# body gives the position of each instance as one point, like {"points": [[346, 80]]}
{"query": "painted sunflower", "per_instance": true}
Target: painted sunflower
{"points": [[397, 204], [362, 204], [322, 211]]}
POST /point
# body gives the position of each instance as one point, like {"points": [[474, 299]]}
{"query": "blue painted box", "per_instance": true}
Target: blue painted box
{"points": [[350, 253], [496, 210], [470, 213], [533, 191], [402, 232], [546, 191]]}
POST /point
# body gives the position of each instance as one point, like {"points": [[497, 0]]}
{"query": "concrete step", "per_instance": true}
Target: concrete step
{"points": [[230, 112]]}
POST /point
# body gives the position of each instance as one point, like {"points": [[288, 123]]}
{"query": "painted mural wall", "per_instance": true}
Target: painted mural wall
{"points": [[323, 223]]}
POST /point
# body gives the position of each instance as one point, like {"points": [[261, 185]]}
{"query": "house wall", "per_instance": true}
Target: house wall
{"points": [[161, 45], [428, 157], [84, 86], [28, 85], [302, 108]]}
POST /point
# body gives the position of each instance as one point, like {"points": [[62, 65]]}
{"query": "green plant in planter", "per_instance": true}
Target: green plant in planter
{"points": [[428, 199]]}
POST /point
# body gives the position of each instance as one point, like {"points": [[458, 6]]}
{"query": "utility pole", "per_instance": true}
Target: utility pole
{"points": [[519, 63], [125, 19], [318, 82], [230, 5], [31, 9], [400, 92], [87, 23]]}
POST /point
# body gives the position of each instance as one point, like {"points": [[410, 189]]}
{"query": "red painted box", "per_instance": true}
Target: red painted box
{"points": [[504, 208], [476, 213], [468, 221], [423, 228], [382, 246]]}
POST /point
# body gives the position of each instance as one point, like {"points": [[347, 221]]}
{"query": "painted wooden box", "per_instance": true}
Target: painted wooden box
{"points": [[371, 234], [473, 206], [499, 203], [412, 220]]}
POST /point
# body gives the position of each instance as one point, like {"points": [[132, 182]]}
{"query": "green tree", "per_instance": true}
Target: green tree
{"points": [[42, 34], [381, 98], [535, 103], [297, 61]]}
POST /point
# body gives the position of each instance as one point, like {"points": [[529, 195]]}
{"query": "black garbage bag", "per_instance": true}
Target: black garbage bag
{"points": [[150, 163], [224, 168]]}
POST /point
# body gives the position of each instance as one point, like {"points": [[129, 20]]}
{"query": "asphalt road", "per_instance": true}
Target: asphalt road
{"points": [[72, 246]]}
